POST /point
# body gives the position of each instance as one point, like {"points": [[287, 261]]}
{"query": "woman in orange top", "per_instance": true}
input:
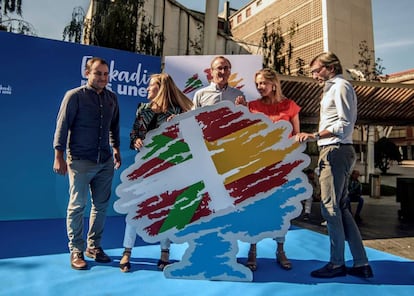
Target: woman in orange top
{"points": [[273, 104]]}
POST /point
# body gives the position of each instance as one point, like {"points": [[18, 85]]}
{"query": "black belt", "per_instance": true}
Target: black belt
{"points": [[336, 145]]}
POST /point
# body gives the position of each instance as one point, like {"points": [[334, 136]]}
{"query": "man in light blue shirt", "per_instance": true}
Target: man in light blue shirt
{"points": [[337, 156]]}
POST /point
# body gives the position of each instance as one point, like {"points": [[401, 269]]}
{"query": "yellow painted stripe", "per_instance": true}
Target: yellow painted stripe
{"points": [[248, 151]]}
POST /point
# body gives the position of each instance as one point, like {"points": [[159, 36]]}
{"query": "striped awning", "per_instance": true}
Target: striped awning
{"points": [[378, 103]]}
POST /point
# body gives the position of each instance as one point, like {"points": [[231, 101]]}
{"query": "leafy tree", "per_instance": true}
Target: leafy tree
{"points": [[123, 24], [151, 40], [15, 25], [300, 65], [73, 31], [114, 24], [370, 69], [289, 53], [385, 150], [11, 6], [272, 44]]}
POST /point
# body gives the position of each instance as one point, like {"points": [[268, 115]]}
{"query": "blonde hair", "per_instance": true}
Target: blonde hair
{"points": [[169, 95], [270, 74]]}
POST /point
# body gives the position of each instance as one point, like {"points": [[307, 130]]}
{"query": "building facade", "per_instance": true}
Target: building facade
{"points": [[182, 29], [406, 77], [320, 25]]}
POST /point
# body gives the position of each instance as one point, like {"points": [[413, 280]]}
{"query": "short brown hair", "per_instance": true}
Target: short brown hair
{"points": [[91, 61]]}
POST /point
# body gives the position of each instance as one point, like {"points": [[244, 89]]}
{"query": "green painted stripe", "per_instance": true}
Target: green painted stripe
{"points": [[175, 152], [184, 207]]}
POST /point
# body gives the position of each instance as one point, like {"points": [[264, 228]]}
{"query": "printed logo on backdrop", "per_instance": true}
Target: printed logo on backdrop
{"points": [[210, 177], [121, 81], [197, 73], [5, 89], [193, 83]]}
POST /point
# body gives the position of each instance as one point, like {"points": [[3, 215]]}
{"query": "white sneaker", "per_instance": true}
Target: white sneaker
{"points": [[324, 223]]}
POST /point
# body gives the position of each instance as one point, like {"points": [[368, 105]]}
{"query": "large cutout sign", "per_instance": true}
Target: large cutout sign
{"points": [[211, 177]]}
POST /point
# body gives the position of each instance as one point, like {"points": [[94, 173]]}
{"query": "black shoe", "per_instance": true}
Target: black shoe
{"points": [[328, 271], [364, 271], [98, 254], [77, 261], [306, 217]]}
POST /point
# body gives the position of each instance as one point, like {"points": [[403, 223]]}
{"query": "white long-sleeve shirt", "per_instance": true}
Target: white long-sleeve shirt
{"points": [[338, 111]]}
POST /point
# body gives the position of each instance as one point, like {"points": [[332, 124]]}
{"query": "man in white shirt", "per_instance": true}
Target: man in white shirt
{"points": [[219, 89], [337, 156]]}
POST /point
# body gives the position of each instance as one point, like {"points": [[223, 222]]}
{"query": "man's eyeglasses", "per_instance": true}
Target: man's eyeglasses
{"points": [[317, 70], [225, 68]]}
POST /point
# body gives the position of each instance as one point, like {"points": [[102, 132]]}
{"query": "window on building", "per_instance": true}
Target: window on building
{"points": [[248, 12], [398, 132], [258, 3], [239, 18]]}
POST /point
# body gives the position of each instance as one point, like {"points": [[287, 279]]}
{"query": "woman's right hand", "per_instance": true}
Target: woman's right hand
{"points": [[138, 143], [240, 100]]}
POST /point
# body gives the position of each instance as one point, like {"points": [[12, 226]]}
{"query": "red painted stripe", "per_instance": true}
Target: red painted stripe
{"points": [[171, 131], [262, 181], [203, 209], [151, 167], [222, 122], [157, 208]]}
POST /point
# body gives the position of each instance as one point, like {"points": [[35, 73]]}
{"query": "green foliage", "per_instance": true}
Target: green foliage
{"points": [[14, 24], [370, 69], [114, 24], [294, 27], [73, 31], [300, 65], [11, 6], [272, 44], [123, 24], [151, 40], [385, 150]]}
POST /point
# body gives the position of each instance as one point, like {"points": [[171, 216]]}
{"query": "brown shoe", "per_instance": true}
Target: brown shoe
{"points": [[98, 254], [77, 261]]}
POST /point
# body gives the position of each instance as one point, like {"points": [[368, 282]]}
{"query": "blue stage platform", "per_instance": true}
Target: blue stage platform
{"points": [[35, 261]]}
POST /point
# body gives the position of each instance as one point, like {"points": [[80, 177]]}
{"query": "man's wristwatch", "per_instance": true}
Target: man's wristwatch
{"points": [[317, 136]]}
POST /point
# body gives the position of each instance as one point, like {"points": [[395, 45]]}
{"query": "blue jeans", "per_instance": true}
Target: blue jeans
{"points": [[360, 201], [86, 176], [335, 163]]}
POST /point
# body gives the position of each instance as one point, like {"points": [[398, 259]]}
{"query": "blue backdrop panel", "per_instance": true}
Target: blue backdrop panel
{"points": [[35, 73]]}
